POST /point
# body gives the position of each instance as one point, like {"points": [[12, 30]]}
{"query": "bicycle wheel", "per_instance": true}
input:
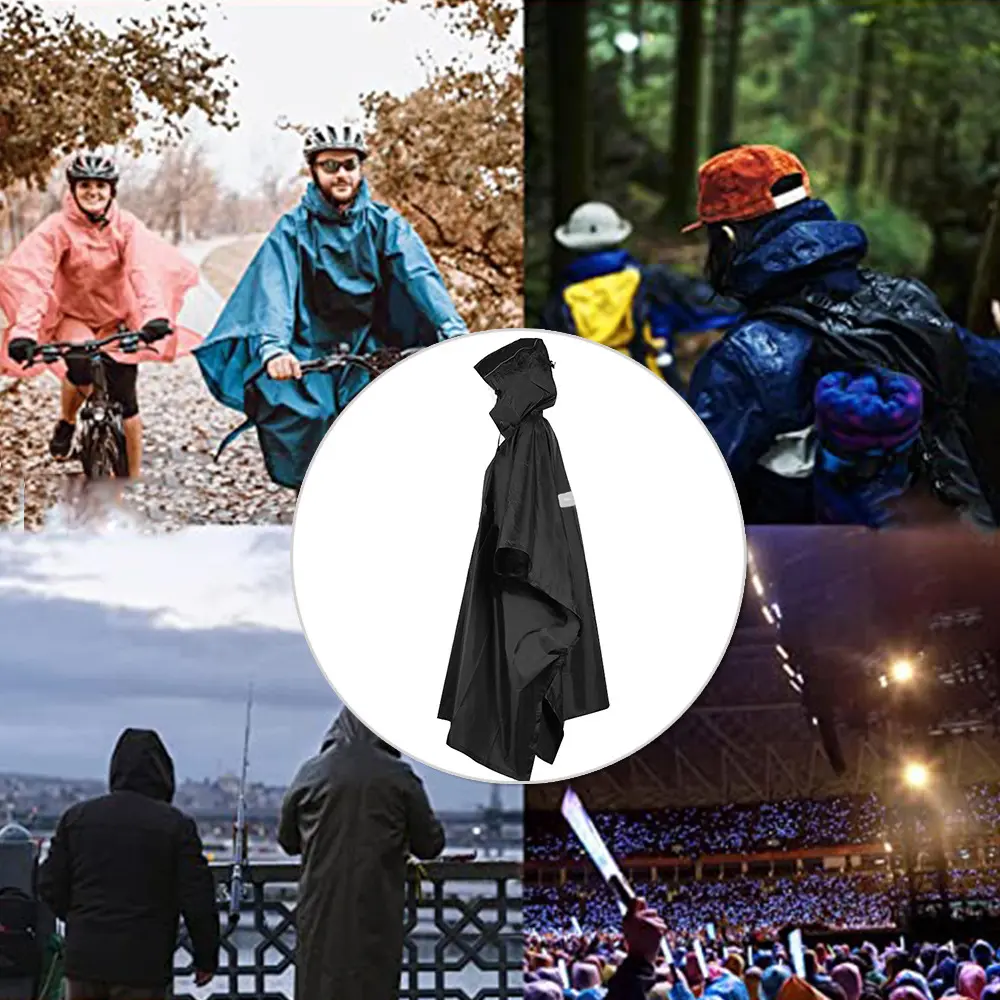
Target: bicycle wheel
{"points": [[103, 452]]}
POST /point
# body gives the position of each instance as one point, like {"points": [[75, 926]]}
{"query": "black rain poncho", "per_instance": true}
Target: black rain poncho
{"points": [[526, 655], [354, 812]]}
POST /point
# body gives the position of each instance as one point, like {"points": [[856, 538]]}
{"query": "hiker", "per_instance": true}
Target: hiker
{"points": [[604, 294], [813, 310]]}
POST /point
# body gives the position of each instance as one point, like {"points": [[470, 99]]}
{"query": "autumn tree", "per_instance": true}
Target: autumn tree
{"points": [[450, 157], [65, 83]]}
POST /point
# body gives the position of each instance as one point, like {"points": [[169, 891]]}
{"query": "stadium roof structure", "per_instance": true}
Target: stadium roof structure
{"points": [[828, 611]]}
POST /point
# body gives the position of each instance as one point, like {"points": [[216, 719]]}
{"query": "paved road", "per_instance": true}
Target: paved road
{"points": [[181, 484]]}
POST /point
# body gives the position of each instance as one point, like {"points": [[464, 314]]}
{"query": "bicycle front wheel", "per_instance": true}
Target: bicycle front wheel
{"points": [[103, 452]]}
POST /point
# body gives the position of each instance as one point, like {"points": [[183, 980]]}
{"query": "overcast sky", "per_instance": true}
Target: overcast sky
{"points": [[104, 631], [309, 61]]}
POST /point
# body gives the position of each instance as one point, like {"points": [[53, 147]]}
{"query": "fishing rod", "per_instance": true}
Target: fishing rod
{"points": [[240, 831]]}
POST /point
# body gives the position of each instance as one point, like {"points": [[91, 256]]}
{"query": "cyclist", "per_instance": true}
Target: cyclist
{"points": [[81, 274], [339, 268], [813, 310], [606, 295]]}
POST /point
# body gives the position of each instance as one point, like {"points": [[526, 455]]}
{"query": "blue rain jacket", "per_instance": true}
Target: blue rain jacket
{"points": [[660, 306], [322, 278], [755, 384]]}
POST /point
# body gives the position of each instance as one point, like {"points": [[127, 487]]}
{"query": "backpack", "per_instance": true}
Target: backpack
{"points": [[20, 949], [896, 324]]}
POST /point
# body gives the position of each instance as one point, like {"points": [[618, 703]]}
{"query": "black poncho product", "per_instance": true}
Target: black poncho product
{"points": [[526, 655]]}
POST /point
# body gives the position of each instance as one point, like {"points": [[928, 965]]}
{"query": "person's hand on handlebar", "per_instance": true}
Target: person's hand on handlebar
{"points": [[284, 366], [156, 329], [22, 350]]}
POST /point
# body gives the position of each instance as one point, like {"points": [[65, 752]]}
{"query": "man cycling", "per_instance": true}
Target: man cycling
{"points": [[337, 269], [86, 270], [875, 353]]}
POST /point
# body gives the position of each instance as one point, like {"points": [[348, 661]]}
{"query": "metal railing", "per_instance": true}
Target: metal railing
{"points": [[462, 922]]}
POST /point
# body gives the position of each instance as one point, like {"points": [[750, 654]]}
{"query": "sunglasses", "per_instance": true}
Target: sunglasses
{"points": [[329, 166]]}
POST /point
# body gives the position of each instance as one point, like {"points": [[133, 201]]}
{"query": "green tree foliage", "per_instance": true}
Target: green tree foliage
{"points": [[892, 105]]}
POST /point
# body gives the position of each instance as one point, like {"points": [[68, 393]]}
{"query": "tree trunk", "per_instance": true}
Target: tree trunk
{"points": [[635, 26], [861, 114], [892, 78], [986, 286], [726, 40], [679, 203], [719, 128], [566, 43]]}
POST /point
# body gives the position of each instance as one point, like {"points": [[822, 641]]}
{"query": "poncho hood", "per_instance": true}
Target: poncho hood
{"points": [[800, 245], [140, 763], [347, 730], [521, 375]]}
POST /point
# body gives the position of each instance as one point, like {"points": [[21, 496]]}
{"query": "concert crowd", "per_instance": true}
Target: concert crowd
{"points": [[623, 965]]}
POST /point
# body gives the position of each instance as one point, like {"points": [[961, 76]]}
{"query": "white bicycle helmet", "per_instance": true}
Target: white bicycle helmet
{"points": [[343, 135]]}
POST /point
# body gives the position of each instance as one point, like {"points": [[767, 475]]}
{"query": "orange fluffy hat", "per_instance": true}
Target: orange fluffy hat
{"points": [[735, 185]]}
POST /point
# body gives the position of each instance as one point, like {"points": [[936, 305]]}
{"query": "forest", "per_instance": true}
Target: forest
{"points": [[891, 105]]}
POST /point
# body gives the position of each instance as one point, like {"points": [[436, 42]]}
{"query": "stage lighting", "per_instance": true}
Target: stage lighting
{"points": [[916, 775], [902, 671]]}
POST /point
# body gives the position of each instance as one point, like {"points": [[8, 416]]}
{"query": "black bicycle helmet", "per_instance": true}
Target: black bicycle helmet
{"points": [[92, 167], [89, 166]]}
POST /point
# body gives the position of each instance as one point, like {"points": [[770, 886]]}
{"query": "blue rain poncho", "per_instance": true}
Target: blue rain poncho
{"points": [[322, 278]]}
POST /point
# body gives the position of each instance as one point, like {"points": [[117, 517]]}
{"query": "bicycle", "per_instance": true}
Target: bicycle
{"points": [[100, 441], [374, 362]]}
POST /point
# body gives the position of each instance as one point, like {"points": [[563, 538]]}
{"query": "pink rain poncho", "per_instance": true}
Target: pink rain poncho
{"points": [[70, 281]]}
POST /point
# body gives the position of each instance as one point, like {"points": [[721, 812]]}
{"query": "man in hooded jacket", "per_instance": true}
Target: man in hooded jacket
{"points": [[354, 813], [121, 870], [339, 268], [813, 311]]}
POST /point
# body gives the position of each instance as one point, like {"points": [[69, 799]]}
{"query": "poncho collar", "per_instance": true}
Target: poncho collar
{"points": [[317, 205], [75, 214]]}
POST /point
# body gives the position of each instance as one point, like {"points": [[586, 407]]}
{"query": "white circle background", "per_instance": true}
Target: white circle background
{"points": [[389, 510]]}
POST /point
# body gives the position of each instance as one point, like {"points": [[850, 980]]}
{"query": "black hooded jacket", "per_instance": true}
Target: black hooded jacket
{"points": [[526, 655], [354, 813], [123, 868]]}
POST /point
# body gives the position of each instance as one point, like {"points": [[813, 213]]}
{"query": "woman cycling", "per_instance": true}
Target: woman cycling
{"points": [[80, 275]]}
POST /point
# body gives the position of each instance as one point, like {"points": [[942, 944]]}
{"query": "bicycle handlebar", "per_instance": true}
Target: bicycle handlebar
{"points": [[130, 341], [338, 359], [374, 362]]}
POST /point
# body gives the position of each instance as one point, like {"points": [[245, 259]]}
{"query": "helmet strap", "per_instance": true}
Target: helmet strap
{"points": [[99, 219]]}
